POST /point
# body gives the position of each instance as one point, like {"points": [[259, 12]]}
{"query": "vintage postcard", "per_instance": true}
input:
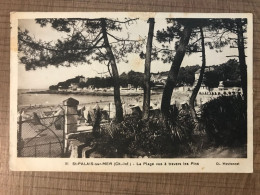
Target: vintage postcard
{"points": [[131, 92]]}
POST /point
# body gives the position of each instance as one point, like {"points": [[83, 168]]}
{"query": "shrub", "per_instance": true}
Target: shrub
{"points": [[135, 136], [124, 134], [225, 120]]}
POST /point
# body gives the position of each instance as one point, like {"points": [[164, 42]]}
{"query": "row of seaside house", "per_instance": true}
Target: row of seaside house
{"points": [[91, 88], [220, 90]]}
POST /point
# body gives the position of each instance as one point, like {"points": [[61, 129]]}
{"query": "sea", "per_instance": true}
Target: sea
{"points": [[27, 99]]}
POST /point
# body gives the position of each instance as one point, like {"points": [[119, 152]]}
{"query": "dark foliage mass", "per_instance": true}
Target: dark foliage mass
{"points": [[228, 72], [65, 84], [152, 137], [186, 75], [211, 79], [134, 78], [225, 120]]}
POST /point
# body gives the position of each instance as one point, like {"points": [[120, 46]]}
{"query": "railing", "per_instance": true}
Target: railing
{"points": [[37, 150], [39, 135]]}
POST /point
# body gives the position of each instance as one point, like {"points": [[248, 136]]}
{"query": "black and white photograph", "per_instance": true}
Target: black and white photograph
{"points": [[136, 92]]}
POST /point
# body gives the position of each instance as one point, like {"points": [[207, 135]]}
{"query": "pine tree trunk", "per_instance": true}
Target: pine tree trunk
{"points": [[147, 75], [173, 73], [117, 99], [197, 87], [242, 57]]}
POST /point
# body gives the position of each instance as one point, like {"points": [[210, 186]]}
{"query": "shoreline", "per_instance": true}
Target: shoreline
{"points": [[93, 93]]}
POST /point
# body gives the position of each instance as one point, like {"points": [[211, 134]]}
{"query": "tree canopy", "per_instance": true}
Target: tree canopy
{"points": [[83, 43]]}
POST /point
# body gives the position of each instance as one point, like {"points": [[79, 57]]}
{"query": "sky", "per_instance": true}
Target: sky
{"points": [[44, 77]]}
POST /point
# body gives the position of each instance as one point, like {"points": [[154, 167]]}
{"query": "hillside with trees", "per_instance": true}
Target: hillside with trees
{"points": [[228, 72], [65, 84]]}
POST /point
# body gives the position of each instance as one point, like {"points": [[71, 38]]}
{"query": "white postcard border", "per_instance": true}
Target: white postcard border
{"points": [[214, 165]]}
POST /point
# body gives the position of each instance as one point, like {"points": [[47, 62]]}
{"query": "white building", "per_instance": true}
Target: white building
{"points": [[74, 86], [220, 90], [159, 78]]}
